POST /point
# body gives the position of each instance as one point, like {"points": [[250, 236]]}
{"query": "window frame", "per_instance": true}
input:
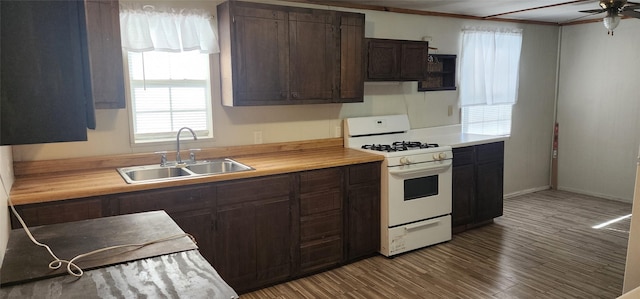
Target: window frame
{"points": [[153, 138]]}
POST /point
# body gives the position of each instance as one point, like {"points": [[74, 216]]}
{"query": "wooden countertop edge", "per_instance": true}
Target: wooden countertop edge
{"points": [[51, 187], [27, 168]]}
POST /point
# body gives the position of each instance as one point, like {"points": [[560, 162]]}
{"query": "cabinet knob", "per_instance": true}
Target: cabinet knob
{"points": [[295, 95]]}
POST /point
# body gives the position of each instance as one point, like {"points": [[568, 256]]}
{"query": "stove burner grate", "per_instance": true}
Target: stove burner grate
{"points": [[399, 146]]}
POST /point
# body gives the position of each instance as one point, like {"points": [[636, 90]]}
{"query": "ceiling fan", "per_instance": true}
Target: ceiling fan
{"points": [[614, 9]]}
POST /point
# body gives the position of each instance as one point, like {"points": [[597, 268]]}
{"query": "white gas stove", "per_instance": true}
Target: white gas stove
{"points": [[416, 181]]}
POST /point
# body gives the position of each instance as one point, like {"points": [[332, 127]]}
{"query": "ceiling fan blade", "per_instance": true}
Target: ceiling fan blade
{"points": [[631, 7], [578, 18], [631, 13], [593, 11]]}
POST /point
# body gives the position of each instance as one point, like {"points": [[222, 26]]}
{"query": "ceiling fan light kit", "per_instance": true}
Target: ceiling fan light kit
{"points": [[611, 21], [615, 9]]}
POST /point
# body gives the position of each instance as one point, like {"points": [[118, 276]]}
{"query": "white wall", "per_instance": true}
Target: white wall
{"points": [[527, 152], [6, 180], [599, 109]]}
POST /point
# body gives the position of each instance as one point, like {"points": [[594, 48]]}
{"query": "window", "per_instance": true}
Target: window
{"points": [[167, 52], [489, 80], [169, 91], [487, 119]]}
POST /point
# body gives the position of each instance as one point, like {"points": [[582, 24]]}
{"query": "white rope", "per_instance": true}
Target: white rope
{"points": [[72, 267]]}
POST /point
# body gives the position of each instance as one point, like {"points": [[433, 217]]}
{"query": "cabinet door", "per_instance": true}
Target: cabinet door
{"points": [[190, 207], [198, 224], [463, 186], [383, 60], [253, 232], [352, 55], [46, 93], [314, 61], [105, 53], [364, 220], [414, 60], [363, 210], [463, 195], [489, 194], [260, 55], [489, 181]]}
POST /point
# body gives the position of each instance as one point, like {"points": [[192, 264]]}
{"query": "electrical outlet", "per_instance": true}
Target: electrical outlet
{"points": [[257, 137], [450, 110], [337, 131]]}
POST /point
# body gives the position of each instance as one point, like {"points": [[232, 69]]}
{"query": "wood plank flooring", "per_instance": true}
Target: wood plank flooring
{"points": [[543, 247]]}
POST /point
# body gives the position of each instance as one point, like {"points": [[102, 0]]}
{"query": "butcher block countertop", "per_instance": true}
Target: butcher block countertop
{"points": [[52, 180]]}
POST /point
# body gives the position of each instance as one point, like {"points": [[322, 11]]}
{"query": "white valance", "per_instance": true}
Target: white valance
{"points": [[149, 30], [489, 66]]}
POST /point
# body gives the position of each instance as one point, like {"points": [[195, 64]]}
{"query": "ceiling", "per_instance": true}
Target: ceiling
{"points": [[532, 11]]}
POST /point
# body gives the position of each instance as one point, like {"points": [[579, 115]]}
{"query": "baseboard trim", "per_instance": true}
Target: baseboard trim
{"points": [[526, 191], [595, 194]]}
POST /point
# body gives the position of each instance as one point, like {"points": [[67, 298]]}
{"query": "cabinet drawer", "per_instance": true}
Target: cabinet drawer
{"points": [[490, 152], [321, 226], [463, 156], [364, 173], [320, 202], [171, 200], [320, 180], [60, 212], [252, 190], [321, 254]]}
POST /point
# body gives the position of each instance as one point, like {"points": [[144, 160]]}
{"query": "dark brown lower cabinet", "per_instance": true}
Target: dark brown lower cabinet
{"points": [[363, 211], [189, 206], [61, 211], [478, 180], [321, 233], [464, 187], [253, 242], [258, 231]]}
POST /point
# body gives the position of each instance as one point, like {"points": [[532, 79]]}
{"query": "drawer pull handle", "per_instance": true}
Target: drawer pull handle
{"points": [[421, 224]]}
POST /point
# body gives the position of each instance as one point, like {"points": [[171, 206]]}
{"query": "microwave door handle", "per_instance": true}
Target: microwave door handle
{"points": [[438, 168]]}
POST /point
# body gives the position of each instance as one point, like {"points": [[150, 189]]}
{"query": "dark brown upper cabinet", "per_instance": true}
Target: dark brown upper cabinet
{"points": [[60, 60], [441, 73], [396, 60], [105, 53], [46, 93], [279, 55]]}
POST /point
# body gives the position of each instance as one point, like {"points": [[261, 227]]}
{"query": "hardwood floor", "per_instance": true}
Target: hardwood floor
{"points": [[543, 247]]}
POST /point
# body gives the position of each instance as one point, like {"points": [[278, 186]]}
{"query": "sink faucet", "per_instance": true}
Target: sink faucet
{"points": [[178, 159]]}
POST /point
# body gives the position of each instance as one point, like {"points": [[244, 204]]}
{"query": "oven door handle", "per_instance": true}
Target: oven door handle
{"points": [[427, 169]]}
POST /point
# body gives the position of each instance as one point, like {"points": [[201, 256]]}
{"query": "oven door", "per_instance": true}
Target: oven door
{"points": [[418, 191]]}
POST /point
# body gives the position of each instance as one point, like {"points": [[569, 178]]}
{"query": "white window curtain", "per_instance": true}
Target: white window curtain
{"points": [[489, 66], [147, 29]]}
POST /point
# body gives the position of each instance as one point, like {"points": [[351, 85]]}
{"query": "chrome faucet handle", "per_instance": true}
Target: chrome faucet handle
{"points": [[192, 155], [163, 158]]}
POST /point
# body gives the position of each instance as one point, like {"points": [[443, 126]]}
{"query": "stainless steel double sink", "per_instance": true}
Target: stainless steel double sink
{"points": [[157, 173]]}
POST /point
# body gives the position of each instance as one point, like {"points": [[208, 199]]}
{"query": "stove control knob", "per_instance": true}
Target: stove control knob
{"points": [[404, 161], [439, 156]]}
